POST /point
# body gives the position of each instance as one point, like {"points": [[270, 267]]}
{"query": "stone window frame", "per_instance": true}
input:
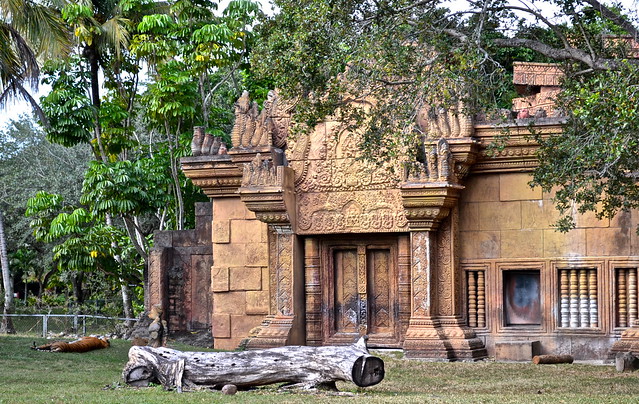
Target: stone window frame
{"points": [[497, 296], [486, 267], [612, 303], [602, 286]]}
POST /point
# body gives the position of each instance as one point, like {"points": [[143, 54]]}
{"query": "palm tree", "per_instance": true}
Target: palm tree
{"points": [[7, 324], [29, 30]]}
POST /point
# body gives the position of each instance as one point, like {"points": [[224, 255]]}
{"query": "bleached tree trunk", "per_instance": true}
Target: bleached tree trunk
{"points": [[7, 323], [302, 365]]}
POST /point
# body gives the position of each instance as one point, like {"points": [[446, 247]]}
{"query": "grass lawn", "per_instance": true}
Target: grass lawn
{"points": [[28, 376]]}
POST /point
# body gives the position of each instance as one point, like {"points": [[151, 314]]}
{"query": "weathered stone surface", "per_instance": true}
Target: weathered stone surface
{"points": [[521, 243], [229, 255], [229, 303], [522, 351], [257, 254], [483, 188], [480, 244], [571, 244], [229, 208], [610, 241], [247, 231], [220, 279], [469, 212], [499, 215], [221, 231], [514, 187], [245, 278], [241, 325], [221, 325], [538, 214], [257, 302]]}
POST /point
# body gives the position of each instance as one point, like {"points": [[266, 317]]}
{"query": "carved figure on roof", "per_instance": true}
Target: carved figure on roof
{"points": [[268, 127], [205, 144], [447, 122]]}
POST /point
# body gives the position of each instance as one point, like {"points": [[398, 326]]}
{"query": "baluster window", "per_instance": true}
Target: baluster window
{"points": [[578, 298]]}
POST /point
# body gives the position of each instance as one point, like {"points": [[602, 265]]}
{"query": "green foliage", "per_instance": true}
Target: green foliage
{"points": [[67, 106], [126, 188], [594, 160]]}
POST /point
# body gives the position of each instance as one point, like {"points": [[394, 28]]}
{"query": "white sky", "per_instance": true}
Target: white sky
{"points": [[15, 108]]}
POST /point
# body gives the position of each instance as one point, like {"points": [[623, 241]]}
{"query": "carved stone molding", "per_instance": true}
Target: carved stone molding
{"points": [[629, 342], [519, 152], [269, 192], [216, 175], [426, 204]]}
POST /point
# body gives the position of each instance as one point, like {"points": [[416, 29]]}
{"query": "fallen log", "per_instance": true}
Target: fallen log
{"points": [[552, 359], [302, 366]]}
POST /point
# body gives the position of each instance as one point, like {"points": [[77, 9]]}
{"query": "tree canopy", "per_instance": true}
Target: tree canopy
{"points": [[408, 55]]}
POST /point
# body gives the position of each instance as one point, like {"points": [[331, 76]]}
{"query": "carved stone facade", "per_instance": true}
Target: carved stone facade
{"points": [[446, 258]]}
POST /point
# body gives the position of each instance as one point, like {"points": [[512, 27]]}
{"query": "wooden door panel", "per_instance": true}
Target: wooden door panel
{"points": [[379, 286], [360, 293], [346, 304]]}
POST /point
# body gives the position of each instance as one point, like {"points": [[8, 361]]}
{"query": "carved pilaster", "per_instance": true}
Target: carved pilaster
{"points": [[277, 329], [430, 334]]}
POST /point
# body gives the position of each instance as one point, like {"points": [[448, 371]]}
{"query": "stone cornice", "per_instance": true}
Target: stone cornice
{"points": [[272, 202], [216, 175], [426, 204], [519, 152]]}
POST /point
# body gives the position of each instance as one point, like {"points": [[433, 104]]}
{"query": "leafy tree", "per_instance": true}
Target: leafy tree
{"points": [[28, 30], [7, 281], [408, 55], [28, 163]]}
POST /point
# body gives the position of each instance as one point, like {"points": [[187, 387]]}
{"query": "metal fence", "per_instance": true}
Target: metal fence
{"points": [[79, 324]]}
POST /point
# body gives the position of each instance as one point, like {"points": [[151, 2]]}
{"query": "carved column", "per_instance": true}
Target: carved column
{"points": [[268, 191], [430, 334]]}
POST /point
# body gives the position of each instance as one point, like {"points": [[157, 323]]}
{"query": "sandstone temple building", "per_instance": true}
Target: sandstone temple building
{"points": [[303, 243]]}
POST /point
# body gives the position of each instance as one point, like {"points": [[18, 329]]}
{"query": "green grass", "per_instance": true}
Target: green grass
{"points": [[28, 376]]}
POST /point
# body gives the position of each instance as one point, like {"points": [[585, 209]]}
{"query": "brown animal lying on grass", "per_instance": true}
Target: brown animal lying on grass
{"points": [[84, 344]]}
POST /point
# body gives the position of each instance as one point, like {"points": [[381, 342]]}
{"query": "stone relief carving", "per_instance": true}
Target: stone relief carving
{"points": [[438, 166], [253, 128], [205, 144], [260, 172], [351, 212], [439, 122]]}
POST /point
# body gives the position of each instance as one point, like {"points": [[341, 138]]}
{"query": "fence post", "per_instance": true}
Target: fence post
{"points": [[45, 325], [84, 324], [75, 324]]}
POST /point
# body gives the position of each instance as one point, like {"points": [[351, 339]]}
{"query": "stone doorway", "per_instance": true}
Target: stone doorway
{"points": [[360, 290]]}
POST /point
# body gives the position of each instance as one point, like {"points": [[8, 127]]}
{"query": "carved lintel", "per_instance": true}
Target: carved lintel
{"points": [[216, 175], [269, 192], [426, 204]]}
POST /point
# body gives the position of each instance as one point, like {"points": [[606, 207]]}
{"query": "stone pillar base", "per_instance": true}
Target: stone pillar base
{"points": [[275, 331], [444, 339], [629, 342]]}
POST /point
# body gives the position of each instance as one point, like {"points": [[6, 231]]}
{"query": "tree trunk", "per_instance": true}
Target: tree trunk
{"points": [[302, 365], [7, 323], [127, 302], [552, 359]]}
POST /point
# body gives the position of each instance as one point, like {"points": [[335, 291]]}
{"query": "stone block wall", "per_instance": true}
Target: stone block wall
{"points": [[504, 225], [502, 217], [180, 274], [239, 276]]}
